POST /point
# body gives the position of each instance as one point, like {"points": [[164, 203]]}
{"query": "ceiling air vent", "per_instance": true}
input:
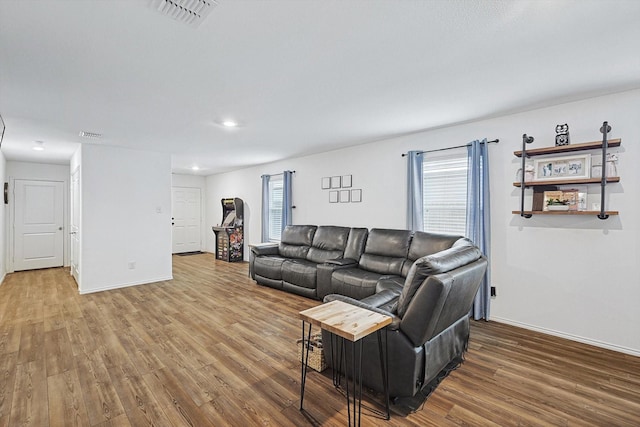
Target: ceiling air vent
{"points": [[91, 135], [190, 12]]}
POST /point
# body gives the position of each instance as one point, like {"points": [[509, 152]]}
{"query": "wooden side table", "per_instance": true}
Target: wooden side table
{"points": [[351, 323]]}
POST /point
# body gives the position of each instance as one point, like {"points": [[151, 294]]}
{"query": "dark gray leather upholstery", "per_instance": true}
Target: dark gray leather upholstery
{"points": [[433, 332], [440, 262], [302, 248], [426, 282]]}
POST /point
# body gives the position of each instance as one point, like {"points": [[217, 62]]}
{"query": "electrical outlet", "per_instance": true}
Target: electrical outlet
{"points": [[132, 265]]}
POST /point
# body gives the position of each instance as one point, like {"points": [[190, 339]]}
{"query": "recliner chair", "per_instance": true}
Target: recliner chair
{"points": [[430, 328]]}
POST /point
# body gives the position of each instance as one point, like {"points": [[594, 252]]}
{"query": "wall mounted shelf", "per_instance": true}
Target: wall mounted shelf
{"points": [[567, 182], [565, 212], [595, 145], [569, 148]]}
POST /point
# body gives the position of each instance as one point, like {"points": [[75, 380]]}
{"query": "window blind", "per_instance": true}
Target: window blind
{"points": [[445, 194], [275, 208]]}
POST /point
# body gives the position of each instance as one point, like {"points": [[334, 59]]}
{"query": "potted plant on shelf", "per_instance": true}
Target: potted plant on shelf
{"points": [[557, 205]]}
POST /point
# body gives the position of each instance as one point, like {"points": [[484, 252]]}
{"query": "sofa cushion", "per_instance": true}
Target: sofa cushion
{"points": [[392, 283], [440, 262], [269, 267], [390, 243], [300, 272], [296, 240], [328, 243], [386, 251], [354, 282]]}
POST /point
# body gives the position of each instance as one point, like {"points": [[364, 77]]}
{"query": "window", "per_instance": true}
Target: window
{"points": [[275, 207], [445, 194]]}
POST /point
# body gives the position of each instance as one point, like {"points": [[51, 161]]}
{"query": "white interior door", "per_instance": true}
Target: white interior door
{"points": [[74, 225], [38, 224], [186, 219]]}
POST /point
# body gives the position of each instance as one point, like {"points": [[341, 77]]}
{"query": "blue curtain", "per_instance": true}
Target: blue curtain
{"points": [[415, 205], [287, 211], [478, 218], [265, 208]]}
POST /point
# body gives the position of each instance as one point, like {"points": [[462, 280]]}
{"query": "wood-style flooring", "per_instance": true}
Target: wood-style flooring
{"points": [[212, 348]]}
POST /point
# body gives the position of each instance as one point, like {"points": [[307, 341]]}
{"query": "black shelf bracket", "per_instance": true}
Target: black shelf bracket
{"points": [[605, 129], [525, 140]]}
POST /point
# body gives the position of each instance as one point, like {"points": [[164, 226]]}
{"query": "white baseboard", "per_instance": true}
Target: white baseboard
{"points": [[2, 278], [126, 285], [596, 343]]}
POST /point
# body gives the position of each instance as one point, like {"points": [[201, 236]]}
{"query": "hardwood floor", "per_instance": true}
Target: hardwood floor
{"points": [[212, 348]]}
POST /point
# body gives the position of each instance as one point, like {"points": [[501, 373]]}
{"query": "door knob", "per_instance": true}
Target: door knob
{"points": [[60, 228]]}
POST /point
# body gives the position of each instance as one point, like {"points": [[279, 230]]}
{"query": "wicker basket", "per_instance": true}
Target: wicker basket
{"points": [[316, 353]]}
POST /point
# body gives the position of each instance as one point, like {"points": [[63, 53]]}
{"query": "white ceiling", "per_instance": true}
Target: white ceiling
{"points": [[301, 77]]}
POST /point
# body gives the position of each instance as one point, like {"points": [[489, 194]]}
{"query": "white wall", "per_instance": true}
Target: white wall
{"points": [[195, 181], [125, 217], [46, 172], [572, 276], [4, 215]]}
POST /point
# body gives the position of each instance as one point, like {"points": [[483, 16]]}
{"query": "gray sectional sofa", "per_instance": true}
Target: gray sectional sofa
{"points": [[426, 282]]}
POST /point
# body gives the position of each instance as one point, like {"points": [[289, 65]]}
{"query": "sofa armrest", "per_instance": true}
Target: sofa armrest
{"points": [[341, 262], [386, 300], [264, 249], [395, 323]]}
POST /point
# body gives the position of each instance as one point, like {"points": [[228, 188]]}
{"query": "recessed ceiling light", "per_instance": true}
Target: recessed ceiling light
{"points": [[38, 146], [229, 123], [195, 168]]}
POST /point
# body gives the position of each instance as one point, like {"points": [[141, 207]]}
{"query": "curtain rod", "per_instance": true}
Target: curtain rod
{"points": [[450, 148], [276, 174]]}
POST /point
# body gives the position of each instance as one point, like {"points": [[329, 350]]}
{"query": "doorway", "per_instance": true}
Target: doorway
{"points": [[74, 226], [186, 220], [38, 220]]}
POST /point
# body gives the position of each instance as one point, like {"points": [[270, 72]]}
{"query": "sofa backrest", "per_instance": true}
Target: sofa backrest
{"points": [[329, 242], [355, 243], [296, 240], [424, 243], [441, 301], [385, 251], [462, 253]]}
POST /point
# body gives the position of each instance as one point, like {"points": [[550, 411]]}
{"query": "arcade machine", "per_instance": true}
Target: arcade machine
{"points": [[229, 235]]}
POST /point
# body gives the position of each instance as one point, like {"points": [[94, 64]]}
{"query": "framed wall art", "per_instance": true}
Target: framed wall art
{"points": [[335, 182]]}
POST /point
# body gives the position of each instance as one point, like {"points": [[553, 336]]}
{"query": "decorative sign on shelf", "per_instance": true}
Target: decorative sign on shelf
{"points": [[562, 137]]}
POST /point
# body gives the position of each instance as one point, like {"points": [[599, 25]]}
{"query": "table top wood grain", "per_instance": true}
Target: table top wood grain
{"points": [[343, 319]]}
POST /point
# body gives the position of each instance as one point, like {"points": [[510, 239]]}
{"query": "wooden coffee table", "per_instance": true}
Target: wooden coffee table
{"points": [[351, 323]]}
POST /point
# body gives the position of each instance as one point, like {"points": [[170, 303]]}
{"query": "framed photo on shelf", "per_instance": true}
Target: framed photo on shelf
{"points": [[562, 168]]}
